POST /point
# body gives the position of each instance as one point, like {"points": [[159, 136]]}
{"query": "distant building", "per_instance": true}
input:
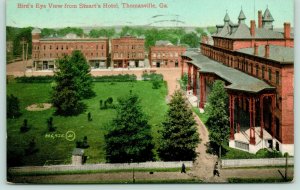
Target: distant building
{"points": [[165, 54], [45, 51], [128, 51], [257, 66]]}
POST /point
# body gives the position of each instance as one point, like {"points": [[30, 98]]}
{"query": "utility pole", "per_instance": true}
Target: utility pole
{"points": [[23, 53]]}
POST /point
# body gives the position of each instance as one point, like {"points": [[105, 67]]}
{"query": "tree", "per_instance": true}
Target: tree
{"points": [[13, 106], [218, 121], [66, 96], [129, 136], [179, 135], [191, 39], [83, 78]]}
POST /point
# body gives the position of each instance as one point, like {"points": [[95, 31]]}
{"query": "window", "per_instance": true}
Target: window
{"points": [[44, 47], [50, 47], [263, 72], [277, 77], [270, 74], [257, 70], [251, 67], [96, 46]]}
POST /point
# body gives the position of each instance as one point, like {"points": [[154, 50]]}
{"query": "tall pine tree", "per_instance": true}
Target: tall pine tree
{"points": [[84, 80], [65, 96], [129, 136], [218, 121], [179, 135]]}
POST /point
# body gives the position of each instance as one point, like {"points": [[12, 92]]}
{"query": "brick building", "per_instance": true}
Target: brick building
{"points": [[257, 66], [165, 54], [128, 51], [46, 50]]}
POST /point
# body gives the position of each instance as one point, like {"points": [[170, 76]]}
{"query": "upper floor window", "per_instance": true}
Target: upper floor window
{"points": [[263, 72], [257, 70], [270, 74], [277, 77]]}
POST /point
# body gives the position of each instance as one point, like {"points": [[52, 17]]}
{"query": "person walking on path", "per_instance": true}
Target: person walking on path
{"points": [[216, 170], [183, 168]]}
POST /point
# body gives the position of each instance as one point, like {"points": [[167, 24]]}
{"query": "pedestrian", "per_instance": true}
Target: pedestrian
{"points": [[216, 170], [183, 168]]}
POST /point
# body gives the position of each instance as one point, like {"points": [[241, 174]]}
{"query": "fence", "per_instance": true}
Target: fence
{"points": [[238, 163], [89, 167]]}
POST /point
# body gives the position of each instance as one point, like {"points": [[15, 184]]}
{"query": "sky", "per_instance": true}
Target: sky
{"points": [[191, 12]]}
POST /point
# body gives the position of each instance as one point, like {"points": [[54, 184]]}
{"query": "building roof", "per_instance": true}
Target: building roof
{"points": [[226, 18], [163, 43], [267, 16], [238, 80], [36, 31], [242, 15], [284, 55], [78, 152], [243, 32]]}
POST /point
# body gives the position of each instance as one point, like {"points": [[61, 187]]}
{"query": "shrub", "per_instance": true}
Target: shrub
{"points": [[156, 84], [13, 107], [82, 144], [35, 79], [115, 78], [24, 128], [31, 149], [51, 128], [152, 77], [89, 116]]}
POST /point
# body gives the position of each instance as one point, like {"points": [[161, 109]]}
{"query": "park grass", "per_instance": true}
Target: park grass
{"points": [[59, 149], [202, 116]]}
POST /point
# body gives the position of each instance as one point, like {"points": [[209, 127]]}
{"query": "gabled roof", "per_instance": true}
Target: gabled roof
{"points": [[267, 15], [284, 55], [243, 32], [238, 80]]}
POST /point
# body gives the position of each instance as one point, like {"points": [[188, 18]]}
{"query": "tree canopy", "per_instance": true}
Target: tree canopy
{"points": [[129, 135], [179, 135], [217, 110], [73, 83]]}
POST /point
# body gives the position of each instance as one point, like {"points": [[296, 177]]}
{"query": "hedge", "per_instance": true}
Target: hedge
{"points": [[35, 79], [115, 78]]}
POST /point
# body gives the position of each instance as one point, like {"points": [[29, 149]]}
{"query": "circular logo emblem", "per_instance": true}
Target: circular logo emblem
{"points": [[70, 135]]}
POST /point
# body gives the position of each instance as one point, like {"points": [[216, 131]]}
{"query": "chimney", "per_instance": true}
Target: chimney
{"points": [[259, 19], [252, 28], [287, 30], [267, 51], [255, 49]]}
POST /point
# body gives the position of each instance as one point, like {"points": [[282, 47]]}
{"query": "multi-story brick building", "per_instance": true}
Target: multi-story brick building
{"points": [[46, 50], [128, 51], [257, 66], [165, 54]]}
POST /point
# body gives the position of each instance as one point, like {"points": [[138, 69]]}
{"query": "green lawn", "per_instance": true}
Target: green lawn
{"points": [[152, 101]]}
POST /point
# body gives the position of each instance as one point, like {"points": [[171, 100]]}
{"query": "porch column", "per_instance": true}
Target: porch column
{"points": [[261, 103], [123, 63], [195, 80], [189, 76], [251, 111], [231, 116], [202, 90], [273, 115], [238, 114], [182, 67]]}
